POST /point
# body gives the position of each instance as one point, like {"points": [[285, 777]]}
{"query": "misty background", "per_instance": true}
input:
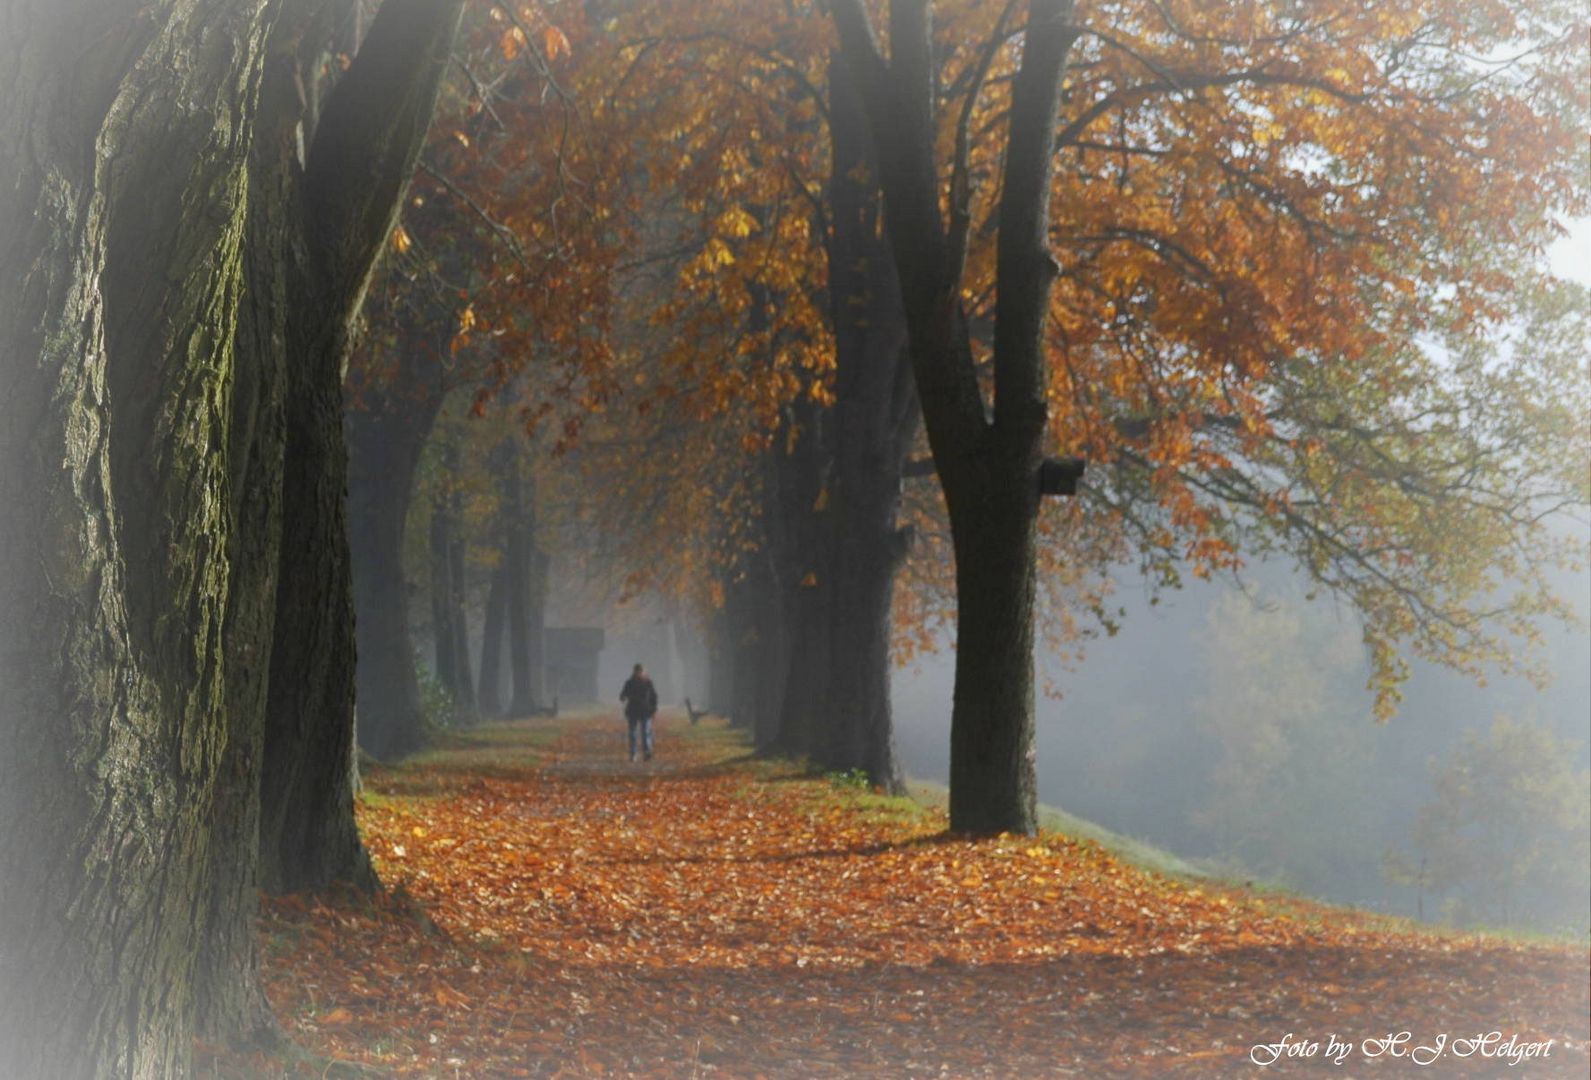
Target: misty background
{"points": [[1234, 729]]}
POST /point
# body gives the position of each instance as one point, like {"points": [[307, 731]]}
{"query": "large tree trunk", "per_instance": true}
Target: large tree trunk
{"points": [[799, 540], [875, 419], [308, 837], [834, 524], [987, 465], [387, 429], [122, 220], [139, 460], [363, 151], [993, 782]]}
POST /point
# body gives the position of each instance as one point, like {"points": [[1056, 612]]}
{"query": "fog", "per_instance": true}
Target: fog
{"points": [[1141, 737]]}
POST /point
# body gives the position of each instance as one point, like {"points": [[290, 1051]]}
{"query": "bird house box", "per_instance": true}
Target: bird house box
{"points": [[1059, 476]]}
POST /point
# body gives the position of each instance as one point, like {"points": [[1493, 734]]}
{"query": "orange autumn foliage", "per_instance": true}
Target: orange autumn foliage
{"points": [[1300, 309]]}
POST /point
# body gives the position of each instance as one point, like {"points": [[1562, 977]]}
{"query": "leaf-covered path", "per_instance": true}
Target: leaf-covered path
{"points": [[557, 911]]}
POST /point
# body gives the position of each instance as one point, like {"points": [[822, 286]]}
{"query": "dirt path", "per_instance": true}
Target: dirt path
{"points": [[707, 915]]}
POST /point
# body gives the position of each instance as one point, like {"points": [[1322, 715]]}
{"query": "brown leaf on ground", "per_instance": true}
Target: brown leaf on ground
{"points": [[710, 915]]}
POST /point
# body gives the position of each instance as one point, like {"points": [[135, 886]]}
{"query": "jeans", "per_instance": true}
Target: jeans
{"points": [[643, 726]]}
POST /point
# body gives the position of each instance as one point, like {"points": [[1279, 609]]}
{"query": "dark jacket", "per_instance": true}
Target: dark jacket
{"points": [[639, 696]]}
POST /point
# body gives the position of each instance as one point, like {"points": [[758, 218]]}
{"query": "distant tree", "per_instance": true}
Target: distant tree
{"points": [[1290, 794], [1507, 834]]}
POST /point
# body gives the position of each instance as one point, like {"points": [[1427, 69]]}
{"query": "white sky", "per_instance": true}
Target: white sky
{"points": [[1571, 256]]}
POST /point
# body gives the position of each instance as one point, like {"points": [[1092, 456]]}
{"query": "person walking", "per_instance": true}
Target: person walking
{"points": [[640, 705]]}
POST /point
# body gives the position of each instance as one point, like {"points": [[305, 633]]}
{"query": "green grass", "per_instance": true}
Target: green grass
{"points": [[1053, 819], [922, 801]]}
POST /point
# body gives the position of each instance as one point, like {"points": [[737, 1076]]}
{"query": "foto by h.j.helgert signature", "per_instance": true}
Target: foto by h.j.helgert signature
{"points": [[1402, 1044]]}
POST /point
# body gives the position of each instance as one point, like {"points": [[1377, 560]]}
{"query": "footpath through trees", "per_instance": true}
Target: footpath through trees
{"points": [[555, 911]]}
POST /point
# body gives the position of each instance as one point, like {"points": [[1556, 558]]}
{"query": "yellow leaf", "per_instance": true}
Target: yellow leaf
{"points": [[736, 222], [717, 254]]}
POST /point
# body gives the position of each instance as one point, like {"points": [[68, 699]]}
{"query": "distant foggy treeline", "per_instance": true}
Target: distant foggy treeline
{"points": [[1235, 728]]}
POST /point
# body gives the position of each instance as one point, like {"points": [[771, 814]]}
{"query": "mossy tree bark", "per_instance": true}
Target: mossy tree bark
{"points": [[151, 229], [122, 228], [229, 999]]}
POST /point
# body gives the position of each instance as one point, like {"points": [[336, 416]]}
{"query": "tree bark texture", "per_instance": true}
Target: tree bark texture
{"points": [[147, 233], [362, 153], [230, 1000], [987, 464], [122, 224], [875, 420]]}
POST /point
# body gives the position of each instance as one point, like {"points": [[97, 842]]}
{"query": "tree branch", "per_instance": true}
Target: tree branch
{"points": [[369, 138], [1024, 267], [960, 185]]}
